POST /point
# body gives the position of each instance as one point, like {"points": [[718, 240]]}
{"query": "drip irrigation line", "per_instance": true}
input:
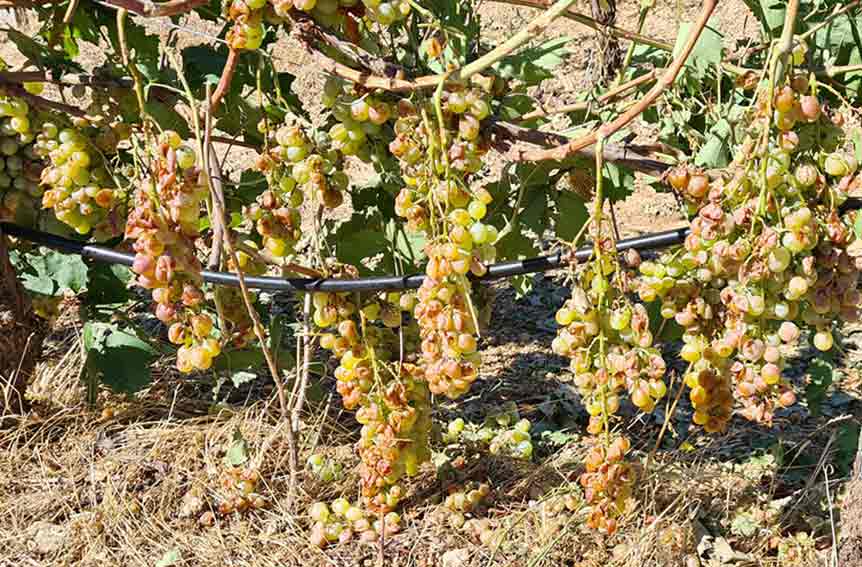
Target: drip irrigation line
{"points": [[502, 270]]}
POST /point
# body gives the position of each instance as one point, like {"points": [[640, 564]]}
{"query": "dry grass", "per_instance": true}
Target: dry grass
{"points": [[128, 483]]}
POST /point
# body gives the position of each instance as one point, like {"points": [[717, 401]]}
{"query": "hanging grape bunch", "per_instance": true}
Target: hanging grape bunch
{"points": [[163, 226], [78, 185], [390, 398], [769, 255], [20, 164], [438, 152], [297, 168], [361, 119]]}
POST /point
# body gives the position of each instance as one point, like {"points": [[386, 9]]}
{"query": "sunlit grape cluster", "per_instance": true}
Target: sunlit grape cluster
{"points": [[327, 470], [343, 522], [20, 164], [164, 226], [360, 119], [610, 344], [462, 505], [298, 167], [389, 395], [769, 255], [607, 484], [247, 19], [503, 432]]}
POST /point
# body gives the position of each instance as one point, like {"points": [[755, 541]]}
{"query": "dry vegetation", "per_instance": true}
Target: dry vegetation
{"points": [[127, 482]]}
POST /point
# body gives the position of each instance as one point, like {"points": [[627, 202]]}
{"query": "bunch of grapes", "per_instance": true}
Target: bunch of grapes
{"points": [[462, 502], [164, 225], [426, 148], [247, 18], [607, 484], [503, 433], [327, 470], [20, 166], [769, 254], [341, 521], [390, 397], [360, 117], [298, 166], [609, 342], [241, 327], [240, 491], [78, 185]]}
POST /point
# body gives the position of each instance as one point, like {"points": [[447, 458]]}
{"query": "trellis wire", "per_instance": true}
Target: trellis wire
{"points": [[502, 270]]}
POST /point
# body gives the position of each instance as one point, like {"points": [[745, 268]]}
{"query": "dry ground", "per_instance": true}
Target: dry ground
{"points": [[125, 483]]}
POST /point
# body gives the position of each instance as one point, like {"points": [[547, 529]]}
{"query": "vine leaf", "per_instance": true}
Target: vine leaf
{"points": [[535, 64], [571, 215], [708, 51], [50, 272], [237, 454], [107, 283], [117, 358], [716, 151]]}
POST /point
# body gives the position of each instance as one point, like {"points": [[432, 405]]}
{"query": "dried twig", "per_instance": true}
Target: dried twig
{"points": [[563, 151], [631, 156], [593, 24], [149, 9]]}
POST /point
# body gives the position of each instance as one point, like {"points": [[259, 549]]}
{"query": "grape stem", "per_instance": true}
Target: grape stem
{"points": [[41, 102], [667, 79], [309, 341], [593, 24], [667, 415], [838, 11], [127, 62]]}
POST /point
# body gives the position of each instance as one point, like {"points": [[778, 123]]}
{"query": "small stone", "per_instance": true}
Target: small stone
{"points": [[48, 537], [455, 558]]}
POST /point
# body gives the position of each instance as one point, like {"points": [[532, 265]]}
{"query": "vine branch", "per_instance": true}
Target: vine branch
{"points": [[224, 80], [563, 151]]}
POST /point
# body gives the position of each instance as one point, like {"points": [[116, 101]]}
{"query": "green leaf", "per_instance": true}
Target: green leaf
{"points": [[821, 372], [514, 105], [535, 64], [769, 12], [522, 285], [571, 215], [708, 50], [352, 248], [535, 213], [515, 245], [107, 283], [715, 152], [237, 454], [117, 358], [51, 273], [68, 271]]}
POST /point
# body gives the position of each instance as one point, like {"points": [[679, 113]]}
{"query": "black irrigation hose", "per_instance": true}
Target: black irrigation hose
{"points": [[380, 283]]}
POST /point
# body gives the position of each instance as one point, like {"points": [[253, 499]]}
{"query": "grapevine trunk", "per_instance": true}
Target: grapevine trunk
{"points": [[21, 336]]}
